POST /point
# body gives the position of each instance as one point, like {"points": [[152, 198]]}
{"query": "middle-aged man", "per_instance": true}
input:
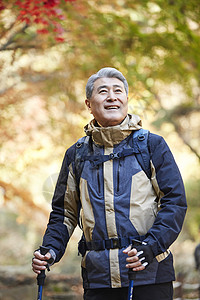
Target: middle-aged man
{"points": [[116, 201]]}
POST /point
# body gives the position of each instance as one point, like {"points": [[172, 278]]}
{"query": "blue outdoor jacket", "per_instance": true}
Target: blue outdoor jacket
{"points": [[116, 200]]}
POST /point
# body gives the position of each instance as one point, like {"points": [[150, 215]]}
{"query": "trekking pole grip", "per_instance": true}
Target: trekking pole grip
{"points": [[131, 273], [41, 276]]}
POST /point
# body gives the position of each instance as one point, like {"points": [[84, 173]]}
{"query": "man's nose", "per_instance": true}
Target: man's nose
{"points": [[111, 96]]}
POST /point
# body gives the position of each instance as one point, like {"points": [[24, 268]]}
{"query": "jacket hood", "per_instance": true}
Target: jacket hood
{"points": [[109, 136]]}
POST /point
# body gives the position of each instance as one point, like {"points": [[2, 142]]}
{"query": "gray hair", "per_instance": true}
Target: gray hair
{"points": [[105, 72]]}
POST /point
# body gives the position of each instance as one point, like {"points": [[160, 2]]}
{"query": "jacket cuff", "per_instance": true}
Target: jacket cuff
{"points": [[53, 257]]}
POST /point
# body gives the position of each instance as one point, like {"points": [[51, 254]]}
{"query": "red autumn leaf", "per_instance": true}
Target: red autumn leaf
{"points": [[44, 22], [59, 29], [27, 20], [35, 8], [51, 3], [37, 20], [45, 12], [35, 13], [61, 17], [42, 31], [17, 2], [53, 12], [22, 12], [24, 19], [59, 39]]}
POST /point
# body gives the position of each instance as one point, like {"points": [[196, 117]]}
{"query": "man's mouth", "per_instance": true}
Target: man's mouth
{"points": [[112, 107]]}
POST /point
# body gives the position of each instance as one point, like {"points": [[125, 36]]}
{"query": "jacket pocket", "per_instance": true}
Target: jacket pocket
{"points": [[97, 266]]}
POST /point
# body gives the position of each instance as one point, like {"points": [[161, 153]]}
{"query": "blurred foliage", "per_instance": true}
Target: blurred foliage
{"points": [[155, 44], [193, 214]]}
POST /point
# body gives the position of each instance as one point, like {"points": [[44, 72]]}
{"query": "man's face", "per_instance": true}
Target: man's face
{"points": [[109, 102]]}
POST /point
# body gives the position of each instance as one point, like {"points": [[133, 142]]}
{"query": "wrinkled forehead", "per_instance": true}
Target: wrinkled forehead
{"points": [[108, 82]]}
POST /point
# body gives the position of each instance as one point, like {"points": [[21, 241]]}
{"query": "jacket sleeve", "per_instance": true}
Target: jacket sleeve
{"points": [[169, 220], [64, 215]]}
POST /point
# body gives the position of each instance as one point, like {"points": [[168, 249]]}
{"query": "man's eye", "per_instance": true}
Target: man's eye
{"points": [[118, 91], [102, 91]]}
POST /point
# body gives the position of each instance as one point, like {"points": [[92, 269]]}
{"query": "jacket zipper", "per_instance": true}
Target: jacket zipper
{"points": [[98, 179], [118, 172]]}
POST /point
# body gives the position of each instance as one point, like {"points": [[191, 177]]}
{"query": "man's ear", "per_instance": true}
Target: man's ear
{"points": [[87, 102]]}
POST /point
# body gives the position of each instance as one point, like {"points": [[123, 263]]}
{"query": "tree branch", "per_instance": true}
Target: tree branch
{"points": [[30, 46], [177, 128], [8, 29], [11, 38]]}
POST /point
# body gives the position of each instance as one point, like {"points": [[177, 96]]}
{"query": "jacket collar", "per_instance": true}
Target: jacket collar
{"points": [[109, 136]]}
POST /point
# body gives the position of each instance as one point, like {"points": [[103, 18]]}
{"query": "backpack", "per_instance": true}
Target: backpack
{"points": [[139, 146]]}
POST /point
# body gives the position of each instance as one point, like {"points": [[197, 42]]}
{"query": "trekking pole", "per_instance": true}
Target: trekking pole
{"points": [[41, 276], [132, 274]]}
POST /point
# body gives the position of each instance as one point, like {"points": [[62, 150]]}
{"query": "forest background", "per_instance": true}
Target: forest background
{"points": [[48, 49]]}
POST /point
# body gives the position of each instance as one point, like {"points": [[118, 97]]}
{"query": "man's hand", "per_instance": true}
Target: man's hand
{"points": [[133, 260], [39, 261], [140, 258]]}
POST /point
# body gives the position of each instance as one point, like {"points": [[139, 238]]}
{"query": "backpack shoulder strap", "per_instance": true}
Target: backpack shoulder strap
{"points": [[142, 152], [140, 148], [83, 148]]}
